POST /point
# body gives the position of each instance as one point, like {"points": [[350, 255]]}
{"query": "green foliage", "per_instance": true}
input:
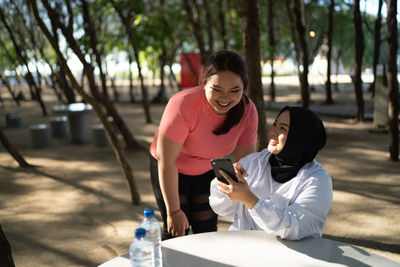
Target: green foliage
{"points": [[161, 27]]}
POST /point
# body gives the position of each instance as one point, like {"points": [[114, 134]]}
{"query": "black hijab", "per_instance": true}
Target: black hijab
{"points": [[305, 138]]}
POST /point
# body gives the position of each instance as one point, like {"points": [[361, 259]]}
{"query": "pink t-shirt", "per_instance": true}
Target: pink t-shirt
{"points": [[189, 119]]}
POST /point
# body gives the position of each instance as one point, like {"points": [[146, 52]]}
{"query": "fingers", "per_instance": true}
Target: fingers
{"points": [[226, 176], [239, 169], [177, 224]]}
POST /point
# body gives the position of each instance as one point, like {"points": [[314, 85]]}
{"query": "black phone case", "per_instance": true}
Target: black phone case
{"points": [[226, 165]]}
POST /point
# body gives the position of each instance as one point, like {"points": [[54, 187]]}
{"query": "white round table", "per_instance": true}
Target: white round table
{"points": [[258, 248]]}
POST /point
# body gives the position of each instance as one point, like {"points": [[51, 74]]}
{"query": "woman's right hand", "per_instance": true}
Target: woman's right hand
{"points": [[177, 223]]}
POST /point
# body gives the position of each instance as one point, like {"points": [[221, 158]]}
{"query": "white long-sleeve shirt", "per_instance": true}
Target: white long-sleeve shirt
{"points": [[292, 210]]}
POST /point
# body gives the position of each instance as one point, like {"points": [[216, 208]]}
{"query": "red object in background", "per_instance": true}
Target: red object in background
{"points": [[188, 79]]}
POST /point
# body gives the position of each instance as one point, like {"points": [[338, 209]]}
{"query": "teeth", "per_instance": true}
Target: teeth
{"points": [[222, 104]]}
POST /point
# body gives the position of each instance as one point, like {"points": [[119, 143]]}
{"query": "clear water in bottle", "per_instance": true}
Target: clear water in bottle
{"points": [[141, 251], [153, 232]]}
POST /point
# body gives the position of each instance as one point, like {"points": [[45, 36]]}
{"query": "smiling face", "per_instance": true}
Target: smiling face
{"points": [[278, 133], [223, 91]]}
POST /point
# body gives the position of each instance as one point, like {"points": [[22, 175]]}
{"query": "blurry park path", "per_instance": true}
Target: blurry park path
{"points": [[74, 209]]}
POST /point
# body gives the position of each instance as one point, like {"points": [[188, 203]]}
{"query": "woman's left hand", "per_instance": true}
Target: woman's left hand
{"points": [[237, 191]]}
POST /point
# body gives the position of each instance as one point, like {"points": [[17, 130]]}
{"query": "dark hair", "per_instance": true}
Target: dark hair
{"points": [[221, 61]]}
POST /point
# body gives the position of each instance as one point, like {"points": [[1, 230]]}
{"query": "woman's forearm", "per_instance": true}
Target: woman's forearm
{"points": [[167, 154], [168, 175]]}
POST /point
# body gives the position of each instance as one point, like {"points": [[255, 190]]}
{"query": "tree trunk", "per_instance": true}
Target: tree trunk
{"points": [[210, 26], [251, 48], [358, 66], [24, 61], [338, 53], [301, 31], [127, 25], [329, 99], [271, 40], [173, 83], [62, 79], [197, 30], [90, 30], [13, 151], [53, 84], [6, 259], [130, 78], [131, 143], [126, 169], [53, 79], [377, 44], [113, 86], [294, 37], [191, 67], [5, 82], [221, 18], [393, 84], [65, 87], [162, 95]]}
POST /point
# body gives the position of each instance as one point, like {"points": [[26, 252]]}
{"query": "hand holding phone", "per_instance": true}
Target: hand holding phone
{"points": [[224, 164]]}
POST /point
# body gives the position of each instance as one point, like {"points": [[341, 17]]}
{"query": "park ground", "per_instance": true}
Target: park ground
{"points": [[74, 208]]}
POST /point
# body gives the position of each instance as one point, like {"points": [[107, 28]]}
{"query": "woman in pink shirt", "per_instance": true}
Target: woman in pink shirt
{"points": [[198, 124]]}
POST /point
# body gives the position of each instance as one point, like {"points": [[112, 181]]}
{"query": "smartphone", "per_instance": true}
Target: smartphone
{"points": [[224, 164]]}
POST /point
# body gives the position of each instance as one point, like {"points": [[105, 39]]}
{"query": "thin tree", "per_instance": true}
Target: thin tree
{"points": [[359, 43], [61, 76], [328, 85], [210, 26], [299, 17], [8, 86], [120, 155], [130, 60], [271, 48], [222, 28], [13, 151], [251, 48], [393, 84], [67, 31], [23, 60], [127, 19], [90, 30], [172, 33], [377, 44], [197, 28], [6, 259], [294, 38]]}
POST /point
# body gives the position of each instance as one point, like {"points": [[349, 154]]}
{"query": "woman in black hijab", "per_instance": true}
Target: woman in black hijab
{"points": [[282, 189]]}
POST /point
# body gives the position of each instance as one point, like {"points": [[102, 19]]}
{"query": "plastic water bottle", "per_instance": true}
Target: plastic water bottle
{"points": [[141, 251], [153, 232]]}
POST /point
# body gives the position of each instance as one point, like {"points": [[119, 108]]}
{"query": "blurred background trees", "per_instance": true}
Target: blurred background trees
{"points": [[107, 41]]}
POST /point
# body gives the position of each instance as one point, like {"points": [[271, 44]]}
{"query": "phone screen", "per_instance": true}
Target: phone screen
{"points": [[226, 165]]}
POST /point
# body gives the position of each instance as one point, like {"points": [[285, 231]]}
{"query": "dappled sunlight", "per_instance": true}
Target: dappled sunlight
{"points": [[331, 125], [360, 216], [148, 139], [76, 203], [122, 228], [82, 165], [366, 153]]}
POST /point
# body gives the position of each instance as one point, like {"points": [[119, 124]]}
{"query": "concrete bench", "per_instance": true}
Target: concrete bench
{"points": [[40, 135], [13, 120], [99, 136], [58, 127]]}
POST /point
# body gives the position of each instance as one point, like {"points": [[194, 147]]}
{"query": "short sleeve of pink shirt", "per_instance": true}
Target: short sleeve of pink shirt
{"points": [[174, 124], [189, 119]]}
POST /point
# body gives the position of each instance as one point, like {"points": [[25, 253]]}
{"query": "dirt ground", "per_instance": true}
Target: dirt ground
{"points": [[74, 208]]}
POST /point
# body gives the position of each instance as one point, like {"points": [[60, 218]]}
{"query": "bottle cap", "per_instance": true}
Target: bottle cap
{"points": [[140, 232], [148, 213]]}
